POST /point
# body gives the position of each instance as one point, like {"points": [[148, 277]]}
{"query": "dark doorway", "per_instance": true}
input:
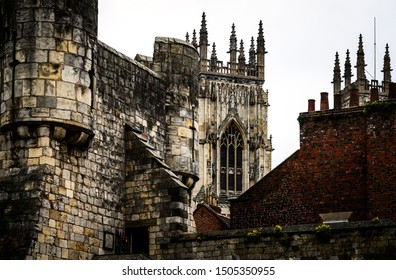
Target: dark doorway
{"points": [[139, 240]]}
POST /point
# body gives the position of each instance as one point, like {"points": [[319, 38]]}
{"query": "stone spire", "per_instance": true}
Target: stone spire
{"points": [[360, 64], [387, 69], [337, 75], [241, 60], [187, 38], [233, 50], [260, 51], [203, 43], [260, 39], [213, 59], [348, 70], [252, 59], [194, 39]]}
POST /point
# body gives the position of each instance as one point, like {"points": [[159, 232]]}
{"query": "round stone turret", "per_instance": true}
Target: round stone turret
{"points": [[178, 62], [47, 65]]}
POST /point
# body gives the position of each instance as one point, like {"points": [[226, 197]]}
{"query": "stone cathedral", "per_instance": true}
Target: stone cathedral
{"points": [[102, 154], [234, 147]]}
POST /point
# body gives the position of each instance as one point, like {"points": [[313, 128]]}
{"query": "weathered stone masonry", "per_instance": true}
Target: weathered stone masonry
{"points": [[74, 112]]}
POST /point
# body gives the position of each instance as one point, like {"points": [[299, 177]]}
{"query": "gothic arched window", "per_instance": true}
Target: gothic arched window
{"points": [[231, 150]]}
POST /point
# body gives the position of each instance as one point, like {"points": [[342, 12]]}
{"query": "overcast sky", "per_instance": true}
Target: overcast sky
{"points": [[301, 37]]}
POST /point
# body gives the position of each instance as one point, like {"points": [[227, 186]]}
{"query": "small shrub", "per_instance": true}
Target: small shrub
{"points": [[323, 232], [253, 236], [283, 238], [278, 230]]}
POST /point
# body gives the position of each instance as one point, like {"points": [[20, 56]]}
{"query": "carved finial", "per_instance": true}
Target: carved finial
{"points": [[187, 38], [337, 75]]}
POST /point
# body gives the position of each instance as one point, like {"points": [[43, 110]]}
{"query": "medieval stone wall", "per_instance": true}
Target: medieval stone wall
{"points": [[66, 173], [356, 241]]}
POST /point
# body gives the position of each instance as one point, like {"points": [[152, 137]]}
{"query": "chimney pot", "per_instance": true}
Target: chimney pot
{"points": [[392, 91], [337, 101], [311, 105], [324, 101], [353, 97], [374, 95]]}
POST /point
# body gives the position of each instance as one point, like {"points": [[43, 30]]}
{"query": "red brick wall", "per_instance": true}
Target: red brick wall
{"points": [[381, 161], [206, 220], [346, 162]]}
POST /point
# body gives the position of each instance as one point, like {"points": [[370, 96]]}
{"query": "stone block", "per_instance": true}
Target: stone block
{"points": [[35, 152], [40, 112], [51, 71], [56, 57], [60, 114], [71, 74], [47, 160], [65, 90], [66, 104], [46, 102]]}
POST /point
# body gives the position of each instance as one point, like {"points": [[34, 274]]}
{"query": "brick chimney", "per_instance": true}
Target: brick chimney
{"points": [[311, 105], [374, 95], [392, 91], [354, 97], [324, 101], [337, 101]]}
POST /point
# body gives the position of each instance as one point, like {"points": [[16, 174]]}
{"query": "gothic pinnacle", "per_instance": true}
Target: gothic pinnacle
{"points": [[194, 39], [337, 75], [260, 39], [241, 57], [360, 63], [387, 66], [347, 69], [252, 53], [233, 39], [203, 33]]}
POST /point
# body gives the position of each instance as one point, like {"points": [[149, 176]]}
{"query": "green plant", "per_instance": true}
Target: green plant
{"points": [[375, 220], [253, 236], [323, 232], [282, 236], [278, 230]]}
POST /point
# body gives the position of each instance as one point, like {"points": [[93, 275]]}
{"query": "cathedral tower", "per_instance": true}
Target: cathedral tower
{"points": [[235, 150]]}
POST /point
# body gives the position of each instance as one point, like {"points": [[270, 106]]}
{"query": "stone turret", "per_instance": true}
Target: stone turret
{"points": [[177, 61], [48, 66]]}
